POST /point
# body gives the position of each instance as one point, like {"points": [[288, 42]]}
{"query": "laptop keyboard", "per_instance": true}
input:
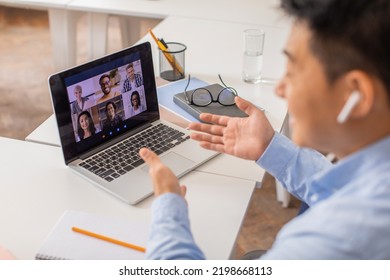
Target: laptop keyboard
{"points": [[123, 157]]}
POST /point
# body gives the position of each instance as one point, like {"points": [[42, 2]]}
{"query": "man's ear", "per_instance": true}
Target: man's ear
{"points": [[349, 105], [359, 81]]}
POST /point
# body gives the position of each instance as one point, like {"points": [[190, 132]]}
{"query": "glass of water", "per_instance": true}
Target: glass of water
{"points": [[253, 55]]}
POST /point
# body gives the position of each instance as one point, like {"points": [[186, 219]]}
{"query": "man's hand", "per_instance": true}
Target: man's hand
{"points": [[246, 138], [164, 181]]}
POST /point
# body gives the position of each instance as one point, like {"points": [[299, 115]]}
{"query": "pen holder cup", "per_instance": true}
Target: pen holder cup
{"points": [[172, 61]]}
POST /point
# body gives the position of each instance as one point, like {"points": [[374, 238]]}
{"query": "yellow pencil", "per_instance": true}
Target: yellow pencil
{"points": [[109, 239], [168, 56]]}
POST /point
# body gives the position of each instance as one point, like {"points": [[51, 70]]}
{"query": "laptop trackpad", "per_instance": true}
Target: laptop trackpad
{"points": [[177, 163]]}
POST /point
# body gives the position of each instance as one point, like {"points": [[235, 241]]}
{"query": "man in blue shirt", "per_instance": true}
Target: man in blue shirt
{"points": [[337, 86]]}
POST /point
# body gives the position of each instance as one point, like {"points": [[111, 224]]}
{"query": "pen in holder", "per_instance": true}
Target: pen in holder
{"points": [[171, 59]]}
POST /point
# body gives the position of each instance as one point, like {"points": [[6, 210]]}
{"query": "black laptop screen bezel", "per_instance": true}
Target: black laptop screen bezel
{"points": [[58, 83]]}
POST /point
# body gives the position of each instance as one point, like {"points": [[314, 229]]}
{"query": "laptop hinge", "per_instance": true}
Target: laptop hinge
{"points": [[114, 141]]}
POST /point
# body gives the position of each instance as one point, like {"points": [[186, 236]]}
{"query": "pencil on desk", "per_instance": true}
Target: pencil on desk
{"points": [[109, 239], [168, 56]]}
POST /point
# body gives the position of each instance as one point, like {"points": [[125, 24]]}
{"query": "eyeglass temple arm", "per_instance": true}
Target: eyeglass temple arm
{"points": [[220, 78], [185, 89]]}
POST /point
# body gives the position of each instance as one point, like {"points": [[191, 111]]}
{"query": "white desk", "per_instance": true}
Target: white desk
{"points": [[216, 47], [47, 134], [36, 4], [207, 55], [37, 188]]}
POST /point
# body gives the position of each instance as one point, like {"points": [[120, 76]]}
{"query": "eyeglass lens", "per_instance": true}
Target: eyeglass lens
{"points": [[226, 97], [202, 97]]}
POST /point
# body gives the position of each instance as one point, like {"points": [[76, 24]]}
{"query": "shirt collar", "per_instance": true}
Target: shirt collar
{"points": [[351, 168]]}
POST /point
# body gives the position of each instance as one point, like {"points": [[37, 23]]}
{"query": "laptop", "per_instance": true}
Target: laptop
{"points": [[106, 110]]}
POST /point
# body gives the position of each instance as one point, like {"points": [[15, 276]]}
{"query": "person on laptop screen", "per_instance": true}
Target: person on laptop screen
{"points": [[106, 86], [113, 118], [337, 86], [133, 80], [79, 104], [136, 105], [86, 127]]}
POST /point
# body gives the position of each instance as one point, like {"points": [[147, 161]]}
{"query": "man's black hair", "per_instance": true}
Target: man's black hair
{"points": [[136, 93], [113, 105], [102, 77], [347, 34]]}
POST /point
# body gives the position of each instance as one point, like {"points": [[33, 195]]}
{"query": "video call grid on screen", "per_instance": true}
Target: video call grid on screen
{"points": [[94, 101]]}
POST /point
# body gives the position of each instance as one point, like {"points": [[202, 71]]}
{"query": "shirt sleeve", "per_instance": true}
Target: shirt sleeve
{"points": [[170, 236], [292, 166]]}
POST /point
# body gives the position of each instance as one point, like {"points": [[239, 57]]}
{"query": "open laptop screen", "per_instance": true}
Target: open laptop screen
{"points": [[99, 101]]}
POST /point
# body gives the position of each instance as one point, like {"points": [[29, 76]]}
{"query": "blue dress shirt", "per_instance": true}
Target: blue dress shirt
{"points": [[349, 215]]}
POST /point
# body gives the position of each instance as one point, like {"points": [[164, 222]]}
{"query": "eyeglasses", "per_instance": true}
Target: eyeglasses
{"points": [[105, 83], [202, 97]]}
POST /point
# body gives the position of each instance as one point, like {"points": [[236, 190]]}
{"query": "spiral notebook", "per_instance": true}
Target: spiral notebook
{"points": [[64, 244]]}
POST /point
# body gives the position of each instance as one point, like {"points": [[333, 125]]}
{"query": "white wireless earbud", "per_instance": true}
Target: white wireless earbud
{"points": [[352, 101]]}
